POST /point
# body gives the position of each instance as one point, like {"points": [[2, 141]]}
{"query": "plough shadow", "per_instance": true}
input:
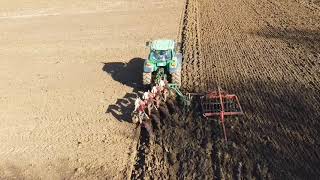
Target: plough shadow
{"points": [[123, 107], [129, 74]]}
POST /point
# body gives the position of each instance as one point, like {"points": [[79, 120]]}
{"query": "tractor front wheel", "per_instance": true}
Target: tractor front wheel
{"points": [[146, 79], [176, 78]]}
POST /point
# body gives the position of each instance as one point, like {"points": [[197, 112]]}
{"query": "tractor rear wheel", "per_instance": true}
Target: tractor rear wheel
{"points": [[176, 78], [146, 79]]}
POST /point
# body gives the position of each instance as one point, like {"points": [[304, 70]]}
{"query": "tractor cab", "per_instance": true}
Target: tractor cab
{"points": [[161, 50], [160, 55]]}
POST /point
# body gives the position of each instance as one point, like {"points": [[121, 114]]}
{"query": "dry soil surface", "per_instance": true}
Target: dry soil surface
{"points": [[68, 71]]}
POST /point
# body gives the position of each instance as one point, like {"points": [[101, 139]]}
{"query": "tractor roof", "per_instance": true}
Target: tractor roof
{"points": [[162, 44]]}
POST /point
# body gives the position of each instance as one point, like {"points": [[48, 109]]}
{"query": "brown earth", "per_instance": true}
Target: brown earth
{"points": [[268, 53], [70, 71], [66, 71]]}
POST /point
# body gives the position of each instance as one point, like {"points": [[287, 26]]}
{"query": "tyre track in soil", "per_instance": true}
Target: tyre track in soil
{"points": [[269, 56]]}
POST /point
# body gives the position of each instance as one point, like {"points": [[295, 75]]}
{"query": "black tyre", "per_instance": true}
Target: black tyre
{"points": [[176, 78], [146, 78]]}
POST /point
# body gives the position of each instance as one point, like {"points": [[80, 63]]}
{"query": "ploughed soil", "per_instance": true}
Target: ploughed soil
{"points": [[267, 53]]}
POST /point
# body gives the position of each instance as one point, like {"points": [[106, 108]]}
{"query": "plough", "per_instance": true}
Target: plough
{"points": [[162, 69], [214, 104]]}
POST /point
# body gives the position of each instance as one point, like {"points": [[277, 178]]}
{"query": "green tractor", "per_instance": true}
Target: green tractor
{"points": [[163, 63]]}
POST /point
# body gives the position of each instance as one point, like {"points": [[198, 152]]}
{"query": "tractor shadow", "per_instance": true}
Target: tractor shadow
{"points": [[129, 74]]}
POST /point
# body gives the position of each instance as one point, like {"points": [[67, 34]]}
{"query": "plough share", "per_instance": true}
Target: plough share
{"points": [[214, 104]]}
